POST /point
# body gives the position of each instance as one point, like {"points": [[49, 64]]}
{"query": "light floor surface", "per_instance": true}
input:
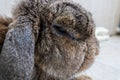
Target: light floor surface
{"points": [[107, 64]]}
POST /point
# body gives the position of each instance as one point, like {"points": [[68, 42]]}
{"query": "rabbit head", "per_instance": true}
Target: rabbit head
{"points": [[62, 45], [56, 36]]}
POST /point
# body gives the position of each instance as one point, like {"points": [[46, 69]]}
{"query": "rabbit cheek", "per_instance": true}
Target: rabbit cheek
{"points": [[63, 58], [91, 53], [72, 56], [88, 61]]}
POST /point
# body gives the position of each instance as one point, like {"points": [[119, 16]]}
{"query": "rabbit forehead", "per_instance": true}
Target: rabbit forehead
{"points": [[66, 20]]}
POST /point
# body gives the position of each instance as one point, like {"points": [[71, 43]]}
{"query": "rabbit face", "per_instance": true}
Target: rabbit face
{"points": [[62, 43], [60, 56]]}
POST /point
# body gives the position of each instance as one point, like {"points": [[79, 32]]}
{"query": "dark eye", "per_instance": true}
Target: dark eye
{"points": [[61, 31]]}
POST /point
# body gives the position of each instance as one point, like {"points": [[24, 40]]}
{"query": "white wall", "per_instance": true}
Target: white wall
{"points": [[6, 7], [106, 13]]}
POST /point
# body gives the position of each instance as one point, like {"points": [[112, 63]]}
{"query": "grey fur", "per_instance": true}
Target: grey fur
{"points": [[48, 40]]}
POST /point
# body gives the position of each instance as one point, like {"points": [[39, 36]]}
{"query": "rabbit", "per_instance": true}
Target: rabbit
{"points": [[48, 40]]}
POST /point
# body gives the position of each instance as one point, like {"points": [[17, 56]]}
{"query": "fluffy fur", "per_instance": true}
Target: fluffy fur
{"points": [[48, 40], [4, 22]]}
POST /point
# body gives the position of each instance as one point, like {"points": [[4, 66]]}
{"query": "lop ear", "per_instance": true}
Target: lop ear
{"points": [[17, 55]]}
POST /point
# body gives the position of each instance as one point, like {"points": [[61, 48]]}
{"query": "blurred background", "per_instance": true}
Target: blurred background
{"points": [[106, 14]]}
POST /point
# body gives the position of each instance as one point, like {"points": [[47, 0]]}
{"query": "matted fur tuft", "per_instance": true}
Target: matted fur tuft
{"points": [[4, 22]]}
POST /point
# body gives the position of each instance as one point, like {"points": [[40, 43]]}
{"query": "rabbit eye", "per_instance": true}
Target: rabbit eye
{"points": [[61, 31]]}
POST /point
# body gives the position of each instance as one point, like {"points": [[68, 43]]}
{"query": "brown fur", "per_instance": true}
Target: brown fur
{"points": [[4, 22], [64, 33], [84, 77]]}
